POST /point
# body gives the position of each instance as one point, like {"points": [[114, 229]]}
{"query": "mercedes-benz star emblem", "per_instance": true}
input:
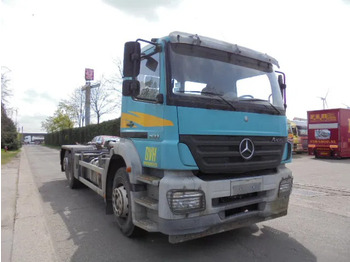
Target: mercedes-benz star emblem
{"points": [[246, 148]]}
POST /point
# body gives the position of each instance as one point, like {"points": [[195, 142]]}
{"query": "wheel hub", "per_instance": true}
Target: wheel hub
{"points": [[120, 202]]}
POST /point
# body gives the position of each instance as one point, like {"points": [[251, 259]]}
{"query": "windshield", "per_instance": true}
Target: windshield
{"points": [[207, 76], [302, 131]]}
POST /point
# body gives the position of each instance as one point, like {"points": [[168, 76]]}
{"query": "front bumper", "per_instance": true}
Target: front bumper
{"points": [[230, 203]]}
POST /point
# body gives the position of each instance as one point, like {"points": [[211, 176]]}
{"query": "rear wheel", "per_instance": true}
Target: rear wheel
{"points": [[122, 204], [316, 154], [68, 167]]}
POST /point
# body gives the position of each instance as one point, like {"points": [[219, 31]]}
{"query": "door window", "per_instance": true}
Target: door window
{"points": [[149, 78]]}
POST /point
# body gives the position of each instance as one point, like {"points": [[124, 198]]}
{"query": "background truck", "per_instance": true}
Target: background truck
{"points": [[203, 140], [329, 132], [300, 136], [38, 139], [27, 139]]}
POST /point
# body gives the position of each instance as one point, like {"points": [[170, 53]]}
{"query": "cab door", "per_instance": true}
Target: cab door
{"points": [[142, 118]]}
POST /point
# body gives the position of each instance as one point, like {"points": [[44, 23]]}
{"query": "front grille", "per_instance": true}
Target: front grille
{"points": [[220, 154], [240, 210], [222, 201], [304, 143]]}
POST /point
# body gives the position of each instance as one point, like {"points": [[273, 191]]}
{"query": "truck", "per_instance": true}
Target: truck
{"points": [[203, 145], [38, 139], [329, 133], [290, 133], [27, 139], [300, 136]]}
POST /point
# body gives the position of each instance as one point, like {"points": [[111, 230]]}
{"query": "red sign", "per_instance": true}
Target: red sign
{"points": [[89, 74]]}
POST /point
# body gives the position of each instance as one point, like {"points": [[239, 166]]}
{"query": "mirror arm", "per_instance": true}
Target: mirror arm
{"points": [[284, 76], [156, 50], [160, 98], [146, 41]]}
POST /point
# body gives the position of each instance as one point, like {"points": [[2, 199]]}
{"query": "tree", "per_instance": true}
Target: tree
{"points": [[5, 90], [59, 121], [115, 82], [103, 100], [9, 136], [74, 106], [77, 100], [117, 78], [68, 108]]}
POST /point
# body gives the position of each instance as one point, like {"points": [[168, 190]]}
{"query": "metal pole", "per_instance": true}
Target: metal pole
{"points": [[87, 103], [87, 89]]}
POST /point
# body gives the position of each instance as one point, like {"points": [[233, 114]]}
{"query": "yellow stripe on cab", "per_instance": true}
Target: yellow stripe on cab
{"points": [[143, 119]]}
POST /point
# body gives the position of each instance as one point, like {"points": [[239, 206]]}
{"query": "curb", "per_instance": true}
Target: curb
{"points": [[31, 239], [9, 191]]}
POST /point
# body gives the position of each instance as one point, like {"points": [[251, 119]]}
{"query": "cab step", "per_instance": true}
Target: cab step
{"points": [[151, 180], [148, 202]]}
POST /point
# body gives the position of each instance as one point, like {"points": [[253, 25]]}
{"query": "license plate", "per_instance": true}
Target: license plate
{"points": [[245, 186]]}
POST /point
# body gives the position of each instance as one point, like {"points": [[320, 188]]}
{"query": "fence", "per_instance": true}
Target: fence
{"points": [[84, 134]]}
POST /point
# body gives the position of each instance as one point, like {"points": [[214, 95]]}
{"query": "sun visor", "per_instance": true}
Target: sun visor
{"points": [[194, 39]]}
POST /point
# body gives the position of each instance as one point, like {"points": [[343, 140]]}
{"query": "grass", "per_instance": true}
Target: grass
{"points": [[7, 156]]}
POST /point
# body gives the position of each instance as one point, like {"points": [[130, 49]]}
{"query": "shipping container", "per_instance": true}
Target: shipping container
{"points": [[329, 133]]}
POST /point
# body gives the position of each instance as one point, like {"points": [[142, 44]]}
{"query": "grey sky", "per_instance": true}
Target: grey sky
{"points": [[32, 96], [48, 44], [144, 8]]}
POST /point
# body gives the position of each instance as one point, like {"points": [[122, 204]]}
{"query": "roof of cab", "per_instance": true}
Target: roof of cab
{"points": [[194, 39]]}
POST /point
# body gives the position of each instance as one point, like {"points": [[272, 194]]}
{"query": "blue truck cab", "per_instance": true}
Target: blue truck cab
{"points": [[203, 141]]}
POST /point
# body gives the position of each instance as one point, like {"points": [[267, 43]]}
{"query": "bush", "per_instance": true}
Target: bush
{"points": [[82, 135], [10, 139], [9, 135]]}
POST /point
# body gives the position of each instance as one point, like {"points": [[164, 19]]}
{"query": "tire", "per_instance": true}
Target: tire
{"points": [[121, 203], [72, 181]]}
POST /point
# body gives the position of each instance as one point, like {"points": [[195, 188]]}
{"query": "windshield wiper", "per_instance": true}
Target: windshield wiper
{"points": [[262, 100], [210, 93]]}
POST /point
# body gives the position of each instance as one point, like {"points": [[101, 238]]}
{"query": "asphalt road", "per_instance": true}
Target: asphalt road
{"points": [[317, 227]]}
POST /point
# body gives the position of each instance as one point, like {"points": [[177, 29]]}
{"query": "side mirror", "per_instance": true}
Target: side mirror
{"points": [[283, 86], [132, 59], [151, 64], [131, 88], [281, 82]]}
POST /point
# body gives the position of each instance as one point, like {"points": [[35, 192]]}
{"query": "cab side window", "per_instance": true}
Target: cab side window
{"points": [[149, 78]]}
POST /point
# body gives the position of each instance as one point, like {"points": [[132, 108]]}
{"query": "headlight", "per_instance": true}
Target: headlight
{"points": [[285, 187], [186, 201]]}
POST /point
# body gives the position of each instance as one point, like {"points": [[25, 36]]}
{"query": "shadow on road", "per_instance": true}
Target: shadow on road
{"points": [[94, 236]]}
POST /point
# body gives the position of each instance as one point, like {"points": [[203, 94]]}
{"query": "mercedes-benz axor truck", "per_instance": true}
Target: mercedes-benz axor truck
{"points": [[203, 142]]}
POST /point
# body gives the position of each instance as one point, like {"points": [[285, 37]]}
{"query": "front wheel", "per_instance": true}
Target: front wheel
{"points": [[122, 203]]}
